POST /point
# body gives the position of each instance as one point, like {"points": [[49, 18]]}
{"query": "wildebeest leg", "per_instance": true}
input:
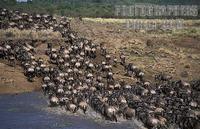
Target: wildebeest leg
{"points": [[115, 118]]}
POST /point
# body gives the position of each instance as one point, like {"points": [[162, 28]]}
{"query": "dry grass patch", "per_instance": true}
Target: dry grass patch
{"points": [[14, 33]]}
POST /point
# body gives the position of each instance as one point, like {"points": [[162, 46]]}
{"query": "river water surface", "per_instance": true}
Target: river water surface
{"points": [[31, 111]]}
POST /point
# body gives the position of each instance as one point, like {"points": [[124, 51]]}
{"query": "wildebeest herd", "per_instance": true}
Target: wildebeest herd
{"points": [[79, 74]]}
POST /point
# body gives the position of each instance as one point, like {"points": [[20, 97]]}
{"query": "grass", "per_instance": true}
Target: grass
{"points": [[194, 32], [167, 51], [115, 20], [190, 28], [29, 34]]}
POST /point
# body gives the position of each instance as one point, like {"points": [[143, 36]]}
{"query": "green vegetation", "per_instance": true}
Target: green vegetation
{"points": [[84, 8], [191, 32]]}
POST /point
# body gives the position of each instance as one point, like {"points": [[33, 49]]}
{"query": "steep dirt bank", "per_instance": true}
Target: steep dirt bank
{"points": [[169, 52]]}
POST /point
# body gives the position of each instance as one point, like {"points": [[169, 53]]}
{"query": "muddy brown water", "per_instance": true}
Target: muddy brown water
{"points": [[31, 111]]}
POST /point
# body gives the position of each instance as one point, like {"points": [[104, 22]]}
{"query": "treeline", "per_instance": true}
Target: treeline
{"points": [[83, 8]]}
